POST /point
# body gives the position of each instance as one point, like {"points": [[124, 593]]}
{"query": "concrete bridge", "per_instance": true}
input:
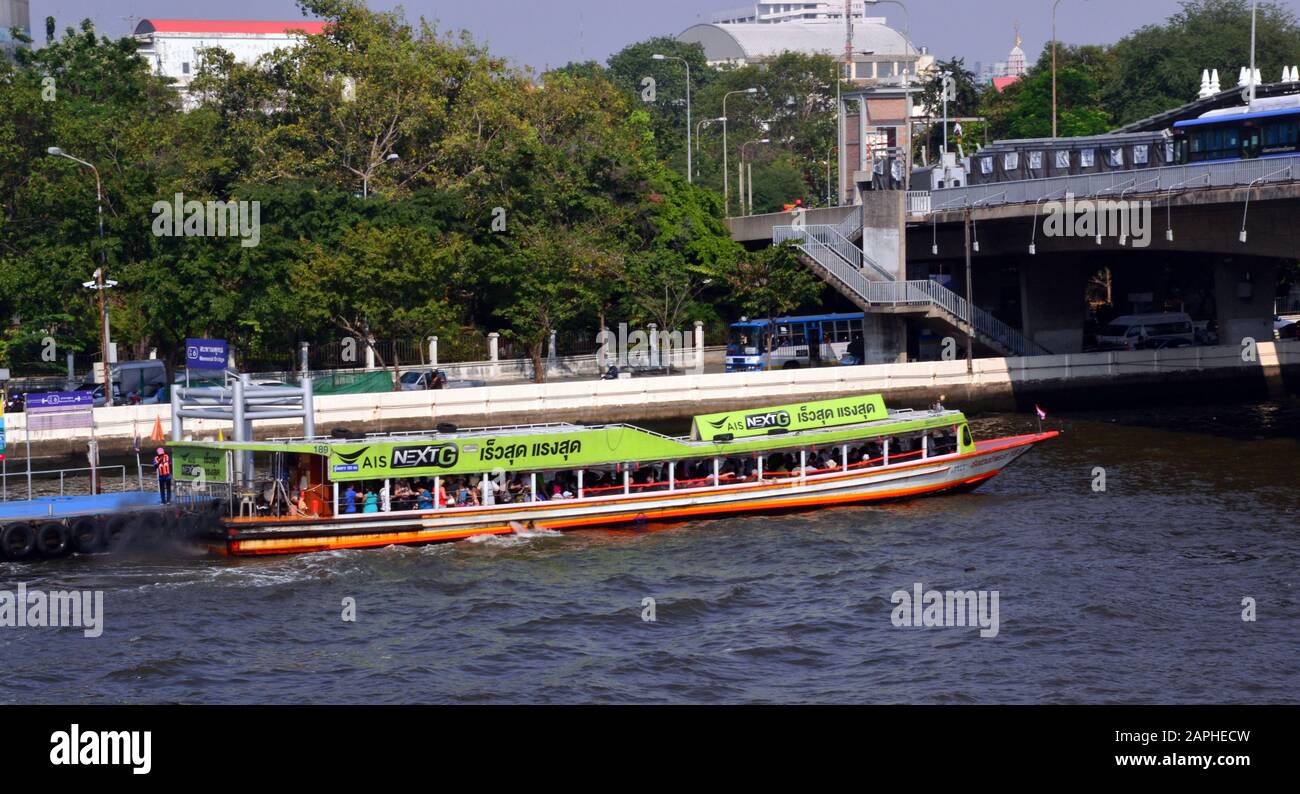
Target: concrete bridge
{"points": [[1221, 229]]}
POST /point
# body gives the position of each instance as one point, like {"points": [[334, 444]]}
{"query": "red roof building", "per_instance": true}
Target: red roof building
{"points": [[246, 27], [174, 47]]}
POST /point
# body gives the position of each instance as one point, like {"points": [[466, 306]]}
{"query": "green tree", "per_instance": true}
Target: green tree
{"points": [[1024, 109], [1158, 67]]}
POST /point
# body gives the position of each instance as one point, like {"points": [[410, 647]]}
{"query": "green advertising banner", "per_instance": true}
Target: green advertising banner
{"points": [[790, 418], [554, 450], [197, 464]]}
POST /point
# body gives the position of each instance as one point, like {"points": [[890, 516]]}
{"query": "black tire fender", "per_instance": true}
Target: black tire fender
{"points": [[17, 541], [87, 535], [53, 539]]}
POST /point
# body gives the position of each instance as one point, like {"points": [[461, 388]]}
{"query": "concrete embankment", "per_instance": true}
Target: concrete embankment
{"points": [[1066, 382]]}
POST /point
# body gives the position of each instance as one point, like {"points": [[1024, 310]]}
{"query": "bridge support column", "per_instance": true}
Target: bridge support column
{"points": [[886, 339], [884, 230], [1243, 298], [1053, 305]]}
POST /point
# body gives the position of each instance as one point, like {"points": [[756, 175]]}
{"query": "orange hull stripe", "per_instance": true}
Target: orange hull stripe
{"points": [[303, 545]]}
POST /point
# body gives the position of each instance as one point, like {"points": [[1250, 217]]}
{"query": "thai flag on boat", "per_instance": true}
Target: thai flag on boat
{"points": [[1041, 413]]}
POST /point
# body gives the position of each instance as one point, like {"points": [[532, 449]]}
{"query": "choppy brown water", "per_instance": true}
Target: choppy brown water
{"points": [[1128, 595]]}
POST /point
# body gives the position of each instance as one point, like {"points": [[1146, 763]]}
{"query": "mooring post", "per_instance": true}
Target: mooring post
{"points": [[308, 407], [176, 391]]}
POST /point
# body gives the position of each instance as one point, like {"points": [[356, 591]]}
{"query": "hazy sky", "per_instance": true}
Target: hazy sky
{"points": [[553, 32]]}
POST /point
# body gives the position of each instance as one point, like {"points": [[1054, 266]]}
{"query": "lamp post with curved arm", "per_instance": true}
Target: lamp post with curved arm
{"points": [[726, 179], [99, 283], [690, 173], [749, 178]]}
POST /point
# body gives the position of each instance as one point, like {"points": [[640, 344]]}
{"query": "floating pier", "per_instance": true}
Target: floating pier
{"points": [[56, 526]]}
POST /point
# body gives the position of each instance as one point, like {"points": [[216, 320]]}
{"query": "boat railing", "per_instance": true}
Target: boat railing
{"points": [[423, 433], [63, 475]]}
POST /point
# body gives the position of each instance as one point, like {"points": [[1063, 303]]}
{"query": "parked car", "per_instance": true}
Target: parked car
{"points": [[424, 379], [1286, 328], [1129, 331], [97, 389]]}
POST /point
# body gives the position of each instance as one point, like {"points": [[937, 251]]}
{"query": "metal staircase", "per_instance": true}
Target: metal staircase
{"points": [[830, 252]]}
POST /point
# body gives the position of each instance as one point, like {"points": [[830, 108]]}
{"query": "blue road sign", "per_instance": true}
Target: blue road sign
{"points": [[206, 353]]}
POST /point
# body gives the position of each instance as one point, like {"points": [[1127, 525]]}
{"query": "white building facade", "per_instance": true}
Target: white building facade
{"points": [[13, 14], [773, 12], [174, 47]]}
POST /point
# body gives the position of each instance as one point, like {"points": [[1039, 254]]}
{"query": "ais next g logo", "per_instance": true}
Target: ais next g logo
{"points": [[767, 421], [426, 456]]}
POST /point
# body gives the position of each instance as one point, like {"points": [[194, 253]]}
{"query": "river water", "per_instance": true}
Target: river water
{"points": [[1131, 594]]}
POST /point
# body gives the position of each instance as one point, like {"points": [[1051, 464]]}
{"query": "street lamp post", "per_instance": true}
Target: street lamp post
{"points": [[1054, 6], [907, 15], [365, 178], [700, 125], [726, 178], [690, 174], [1254, 9], [99, 283], [749, 178]]}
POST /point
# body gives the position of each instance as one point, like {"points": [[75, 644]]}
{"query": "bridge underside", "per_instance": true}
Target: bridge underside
{"points": [[1205, 269], [1054, 283]]}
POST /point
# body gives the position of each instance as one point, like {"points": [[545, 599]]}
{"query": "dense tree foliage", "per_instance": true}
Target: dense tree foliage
{"points": [[409, 184], [1154, 69]]}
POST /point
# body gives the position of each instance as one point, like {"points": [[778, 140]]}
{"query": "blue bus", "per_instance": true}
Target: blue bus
{"points": [[1270, 128], [812, 341]]}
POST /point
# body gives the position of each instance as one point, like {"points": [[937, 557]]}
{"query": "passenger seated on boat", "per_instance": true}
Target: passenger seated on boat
{"points": [[424, 499], [299, 506]]}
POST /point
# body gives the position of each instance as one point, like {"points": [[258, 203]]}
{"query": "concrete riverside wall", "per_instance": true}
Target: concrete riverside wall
{"points": [[996, 384]]}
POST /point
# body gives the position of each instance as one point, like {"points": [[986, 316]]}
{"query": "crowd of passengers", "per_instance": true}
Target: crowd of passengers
{"points": [[428, 493]]}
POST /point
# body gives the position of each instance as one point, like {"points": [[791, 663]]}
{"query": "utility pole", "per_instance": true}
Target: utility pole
{"points": [[99, 282], [1254, 9], [970, 301]]}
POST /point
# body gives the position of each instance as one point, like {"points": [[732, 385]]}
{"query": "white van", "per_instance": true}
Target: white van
{"points": [[1131, 330]]}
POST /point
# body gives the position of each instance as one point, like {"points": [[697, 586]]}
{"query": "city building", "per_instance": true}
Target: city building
{"points": [[13, 14], [774, 11], [879, 51], [1004, 74], [174, 47]]}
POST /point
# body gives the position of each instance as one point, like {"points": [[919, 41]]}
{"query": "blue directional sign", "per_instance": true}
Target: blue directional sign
{"points": [[58, 401], [206, 353]]}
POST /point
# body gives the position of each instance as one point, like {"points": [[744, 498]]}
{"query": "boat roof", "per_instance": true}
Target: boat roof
{"points": [[561, 445]]}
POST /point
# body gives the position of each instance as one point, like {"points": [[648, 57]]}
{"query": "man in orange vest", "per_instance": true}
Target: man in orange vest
{"points": [[162, 463]]}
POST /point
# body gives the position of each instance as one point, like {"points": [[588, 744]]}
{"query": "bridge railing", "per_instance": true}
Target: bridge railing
{"points": [[1146, 181], [926, 293], [845, 248]]}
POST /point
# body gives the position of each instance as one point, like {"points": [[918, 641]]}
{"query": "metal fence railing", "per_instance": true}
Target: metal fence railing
{"points": [[28, 487], [889, 293], [1145, 182]]}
